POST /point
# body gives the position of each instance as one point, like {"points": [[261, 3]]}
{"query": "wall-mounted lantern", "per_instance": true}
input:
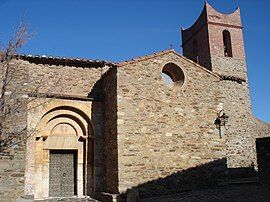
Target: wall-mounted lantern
{"points": [[221, 120]]}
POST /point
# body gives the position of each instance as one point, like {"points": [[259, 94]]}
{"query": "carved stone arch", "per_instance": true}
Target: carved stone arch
{"points": [[62, 115], [66, 128], [67, 123], [71, 109], [60, 126]]}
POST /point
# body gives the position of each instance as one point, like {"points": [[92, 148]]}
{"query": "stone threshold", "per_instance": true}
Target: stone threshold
{"points": [[70, 198]]}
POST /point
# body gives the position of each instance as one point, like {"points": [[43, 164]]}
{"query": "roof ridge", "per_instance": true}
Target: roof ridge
{"points": [[196, 64], [145, 57], [156, 54]]}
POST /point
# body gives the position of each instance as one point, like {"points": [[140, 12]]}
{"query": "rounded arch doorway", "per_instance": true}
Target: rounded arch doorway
{"points": [[58, 153]]}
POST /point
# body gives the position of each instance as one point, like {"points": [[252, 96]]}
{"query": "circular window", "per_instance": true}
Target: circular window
{"points": [[173, 75]]}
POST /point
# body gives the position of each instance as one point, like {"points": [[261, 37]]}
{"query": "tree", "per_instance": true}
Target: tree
{"points": [[15, 88], [11, 101]]}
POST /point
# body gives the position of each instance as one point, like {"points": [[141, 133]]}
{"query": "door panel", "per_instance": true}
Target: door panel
{"points": [[62, 174]]}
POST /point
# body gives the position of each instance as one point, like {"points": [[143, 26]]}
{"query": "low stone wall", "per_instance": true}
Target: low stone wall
{"points": [[12, 173], [263, 158]]}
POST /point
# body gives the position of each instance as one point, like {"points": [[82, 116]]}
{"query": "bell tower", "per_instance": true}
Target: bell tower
{"points": [[215, 41]]}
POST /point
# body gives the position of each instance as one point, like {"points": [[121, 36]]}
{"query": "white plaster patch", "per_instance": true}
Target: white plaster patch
{"points": [[179, 110], [220, 106], [120, 121], [211, 131], [157, 61], [8, 92], [168, 134], [144, 130], [121, 113], [119, 97]]}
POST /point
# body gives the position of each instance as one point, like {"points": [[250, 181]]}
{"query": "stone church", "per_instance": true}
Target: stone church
{"points": [[111, 130]]}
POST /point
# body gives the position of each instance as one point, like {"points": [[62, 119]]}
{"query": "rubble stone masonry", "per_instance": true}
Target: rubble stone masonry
{"points": [[43, 79], [165, 129], [144, 136]]}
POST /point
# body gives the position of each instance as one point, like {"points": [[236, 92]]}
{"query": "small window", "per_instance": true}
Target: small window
{"points": [[227, 45], [195, 51], [173, 74]]}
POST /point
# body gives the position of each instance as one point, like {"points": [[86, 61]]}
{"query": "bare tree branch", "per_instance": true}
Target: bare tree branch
{"points": [[14, 91]]}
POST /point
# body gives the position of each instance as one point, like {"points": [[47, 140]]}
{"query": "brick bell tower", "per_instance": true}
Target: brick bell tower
{"points": [[215, 41]]}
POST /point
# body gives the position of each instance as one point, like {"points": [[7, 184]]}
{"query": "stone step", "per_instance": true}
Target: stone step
{"points": [[68, 199], [246, 180]]}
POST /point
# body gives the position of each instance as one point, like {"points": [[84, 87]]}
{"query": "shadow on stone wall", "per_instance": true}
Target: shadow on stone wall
{"points": [[204, 176], [207, 176], [97, 93], [263, 158], [104, 119]]}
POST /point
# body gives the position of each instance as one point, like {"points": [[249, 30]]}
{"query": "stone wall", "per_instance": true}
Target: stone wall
{"points": [[242, 128], [230, 67], [12, 160], [148, 135], [44, 79], [110, 132], [64, 80], [236, 104], [98, 124], [163, 130]]}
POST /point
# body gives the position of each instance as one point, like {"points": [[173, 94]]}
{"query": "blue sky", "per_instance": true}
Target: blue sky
{"points": [[118, 30]]}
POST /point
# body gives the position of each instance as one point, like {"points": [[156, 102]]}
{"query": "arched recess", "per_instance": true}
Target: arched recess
{"points": [[74, 110], [227, 43], [60, 130]]}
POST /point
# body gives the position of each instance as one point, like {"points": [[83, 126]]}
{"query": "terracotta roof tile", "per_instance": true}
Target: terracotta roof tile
{"points": [[77, 62]]}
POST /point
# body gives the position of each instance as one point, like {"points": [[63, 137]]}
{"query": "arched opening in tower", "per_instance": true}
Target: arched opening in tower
{"points": [[227, 45]]}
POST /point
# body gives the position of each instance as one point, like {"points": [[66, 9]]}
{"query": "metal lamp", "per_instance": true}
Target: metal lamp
{"points": [[221, 120]]}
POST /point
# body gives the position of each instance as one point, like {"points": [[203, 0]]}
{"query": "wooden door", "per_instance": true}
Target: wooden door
{"points": [[62, 173]]}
